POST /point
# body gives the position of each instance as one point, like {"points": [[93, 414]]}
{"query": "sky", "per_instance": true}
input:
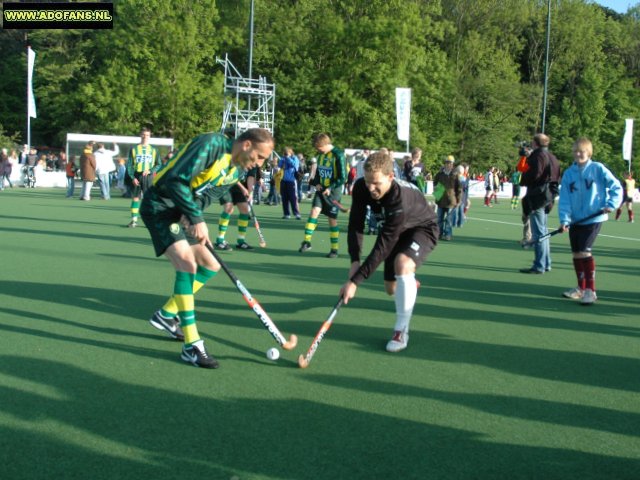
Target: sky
{"points": [[620, 6]]}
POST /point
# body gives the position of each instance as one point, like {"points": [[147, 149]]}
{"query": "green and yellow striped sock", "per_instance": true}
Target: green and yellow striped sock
{"points": [[243, 222], [334, 237], [135, 208], [223, 224], [203, 275], [309, 228], [183, 295]]}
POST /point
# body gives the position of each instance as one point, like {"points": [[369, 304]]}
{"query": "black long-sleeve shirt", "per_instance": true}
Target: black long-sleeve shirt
{"points": [[402, 208]]}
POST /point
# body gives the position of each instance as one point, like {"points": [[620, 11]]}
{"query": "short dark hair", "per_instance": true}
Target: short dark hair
{"points": [[256, 135]]}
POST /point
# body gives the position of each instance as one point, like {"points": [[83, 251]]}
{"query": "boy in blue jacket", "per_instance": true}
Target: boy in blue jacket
{"points": [[586, 188]]}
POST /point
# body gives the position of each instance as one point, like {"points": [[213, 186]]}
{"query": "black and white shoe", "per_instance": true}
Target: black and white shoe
{"points": [[197, 355], [244, 246], [304, 247], [223, 246], [332, 254], [167, 324]]}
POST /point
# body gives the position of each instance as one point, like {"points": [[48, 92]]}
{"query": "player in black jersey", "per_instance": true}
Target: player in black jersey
{"points": [[408, 232]]}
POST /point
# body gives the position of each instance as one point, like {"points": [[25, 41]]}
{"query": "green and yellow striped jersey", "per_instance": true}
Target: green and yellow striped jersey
{"points": [[332, 169], [142, 158], [200, 168]]}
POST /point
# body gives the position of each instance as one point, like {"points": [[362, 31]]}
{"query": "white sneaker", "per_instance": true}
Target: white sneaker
{"points": [[588, 297], [398, 342], [575, 293]]}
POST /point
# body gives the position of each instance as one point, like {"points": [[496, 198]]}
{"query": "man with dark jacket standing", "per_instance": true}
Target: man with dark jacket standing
{"points": [[541, 180], [449, 196]]}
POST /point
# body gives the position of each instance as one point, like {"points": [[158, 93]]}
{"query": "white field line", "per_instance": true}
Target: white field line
{"points": [[520, 225]]}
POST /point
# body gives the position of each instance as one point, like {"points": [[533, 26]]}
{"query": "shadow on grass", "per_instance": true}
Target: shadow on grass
{"points": [[575, 367], [80, 422], [537, 410], [87, 236]]}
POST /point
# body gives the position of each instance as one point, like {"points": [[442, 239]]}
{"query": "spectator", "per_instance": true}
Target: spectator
{"points": [[458, 213], [274, 175], [121, 171], [5, 169], [24, 154], [488, 186], [541, 180], [104, 167], [70, 169], [289, 164], [300, 176], [451, 194], [87, 171]]}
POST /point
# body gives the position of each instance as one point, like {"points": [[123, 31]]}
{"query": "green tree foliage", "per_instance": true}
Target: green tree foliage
{"points": [[158, 69], [475, 67]]}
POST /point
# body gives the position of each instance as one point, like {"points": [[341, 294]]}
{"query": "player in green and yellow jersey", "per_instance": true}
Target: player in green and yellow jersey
{"points": [[199, 173], [629, 191], [331, 174], [142, 160], [240, 195]]}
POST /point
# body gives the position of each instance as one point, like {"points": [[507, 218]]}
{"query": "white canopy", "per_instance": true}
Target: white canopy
{"points": [[121, 140]]}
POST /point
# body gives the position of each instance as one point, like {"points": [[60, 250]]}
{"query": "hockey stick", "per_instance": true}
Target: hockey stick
{"points": [[333, 202], [303, 360], [255, 306], [559, 230], [263, 242]]}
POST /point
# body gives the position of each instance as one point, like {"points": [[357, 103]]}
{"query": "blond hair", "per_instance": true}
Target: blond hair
{"points": [[583, 143]]}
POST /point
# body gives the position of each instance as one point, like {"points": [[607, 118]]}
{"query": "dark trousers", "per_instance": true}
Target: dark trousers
{"points": [[289, 197]]}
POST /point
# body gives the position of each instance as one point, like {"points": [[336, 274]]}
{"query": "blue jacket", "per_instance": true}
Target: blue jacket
{"points": [[586, 190], [290, 165]]}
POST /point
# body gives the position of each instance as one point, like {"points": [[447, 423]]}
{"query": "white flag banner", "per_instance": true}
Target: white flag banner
{"points": [[403, 112], [31, 101], [627, 140]]}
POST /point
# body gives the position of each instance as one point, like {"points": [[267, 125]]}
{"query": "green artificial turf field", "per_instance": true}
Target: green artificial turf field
{"points": [[503, 378]]}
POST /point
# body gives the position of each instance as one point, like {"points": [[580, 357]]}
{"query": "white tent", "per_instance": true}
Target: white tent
{"points": [[75, 142]]}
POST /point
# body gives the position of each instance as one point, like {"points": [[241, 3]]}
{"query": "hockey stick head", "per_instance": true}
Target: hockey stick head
{"points": [[291, 343], [302, 361]]}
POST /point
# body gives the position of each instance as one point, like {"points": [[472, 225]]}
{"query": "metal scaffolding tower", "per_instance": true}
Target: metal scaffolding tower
{"points": [[248, 102]]}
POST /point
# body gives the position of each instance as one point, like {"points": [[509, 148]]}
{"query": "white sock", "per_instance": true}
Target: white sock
{"points": [[405, 296]]}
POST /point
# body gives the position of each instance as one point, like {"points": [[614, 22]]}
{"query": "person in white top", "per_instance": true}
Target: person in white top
{"points": [[104, 166]]}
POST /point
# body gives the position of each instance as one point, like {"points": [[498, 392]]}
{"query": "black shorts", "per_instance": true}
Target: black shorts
{"points": [[162, 219], [233, 195], [144, 183], [416, 244], [582, 237], [324, 203]]}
